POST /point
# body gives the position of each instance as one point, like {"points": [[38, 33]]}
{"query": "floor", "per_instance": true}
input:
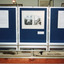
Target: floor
{"points": [[35, 57], [34, 54], [31, 60]]}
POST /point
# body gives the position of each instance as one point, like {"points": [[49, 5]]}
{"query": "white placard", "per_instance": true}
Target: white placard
{"points": [[40, 32], [4, 23], [33, 19], [60, 19]]}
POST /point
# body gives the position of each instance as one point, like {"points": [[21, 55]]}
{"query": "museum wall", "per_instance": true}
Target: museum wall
{"points": [[24, 2], [58, 3], [31, 2]]}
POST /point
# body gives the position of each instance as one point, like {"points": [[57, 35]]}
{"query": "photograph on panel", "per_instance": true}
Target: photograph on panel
{"points": [[28, 20], [37, 20]]}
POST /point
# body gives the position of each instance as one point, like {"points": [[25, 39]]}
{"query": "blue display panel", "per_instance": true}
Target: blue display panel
{"points": [[33, 25], [7, 25], [57, 25]]}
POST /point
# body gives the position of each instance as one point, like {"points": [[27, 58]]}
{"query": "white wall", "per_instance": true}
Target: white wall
{"points": [[30, 2], [57, 3], [24, 2], [5, 1]]}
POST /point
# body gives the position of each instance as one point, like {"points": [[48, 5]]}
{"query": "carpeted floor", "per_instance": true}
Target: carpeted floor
{"points": [[31, 60]]}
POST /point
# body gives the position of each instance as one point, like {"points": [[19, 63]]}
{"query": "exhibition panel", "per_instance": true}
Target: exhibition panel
{"points": [[33, 23], [57, 25], [56, 34], [31, 27], [7, 25]]}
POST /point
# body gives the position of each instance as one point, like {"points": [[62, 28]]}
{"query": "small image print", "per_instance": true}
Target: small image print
{"points": [[37, 20], [28, 20]]}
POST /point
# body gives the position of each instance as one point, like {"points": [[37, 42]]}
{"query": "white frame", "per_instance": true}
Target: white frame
{"points": [[11, 43], [54, 45], [39, 14], [32, 44]]}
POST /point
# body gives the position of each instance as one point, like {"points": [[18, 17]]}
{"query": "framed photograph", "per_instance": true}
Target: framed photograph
{"points": [[32, 20], [45, 3]]}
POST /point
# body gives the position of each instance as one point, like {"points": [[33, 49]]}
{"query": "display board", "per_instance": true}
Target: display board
{"points": [[57, 25], [7, 24], [33, 25]]}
